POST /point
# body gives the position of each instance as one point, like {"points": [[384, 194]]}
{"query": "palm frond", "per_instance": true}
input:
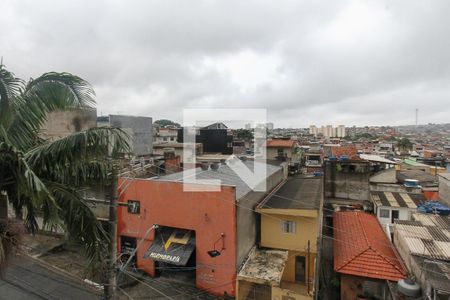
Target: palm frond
{"points": [[11, 88], [50, 92], [27, 189], [80, 158], [80, 222]]}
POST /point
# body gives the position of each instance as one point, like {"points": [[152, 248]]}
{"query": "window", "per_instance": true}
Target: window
{"points": [[288, 226], [134, 207], [384, 213]]}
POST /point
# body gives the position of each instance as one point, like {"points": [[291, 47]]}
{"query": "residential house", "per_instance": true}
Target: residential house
{"points": [[166, 135], [392, 206], [290, 226], [280, 149], [424, 245], [363, 256]]}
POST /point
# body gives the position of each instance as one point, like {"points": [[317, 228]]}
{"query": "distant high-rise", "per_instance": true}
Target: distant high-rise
{"points": [[328, 131], [313, 130], [340, 131]]}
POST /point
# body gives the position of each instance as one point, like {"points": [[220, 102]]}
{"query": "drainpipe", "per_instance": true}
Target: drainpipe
{"points": [[309, 258]]}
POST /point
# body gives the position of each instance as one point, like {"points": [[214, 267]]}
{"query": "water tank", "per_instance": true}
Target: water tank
{"points": [[215, 166], [411, 183], [408, 288]]}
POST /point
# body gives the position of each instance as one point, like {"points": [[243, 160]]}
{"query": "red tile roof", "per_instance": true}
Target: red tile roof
{"points": [[348, 150], [361, 247], [280, 143]]}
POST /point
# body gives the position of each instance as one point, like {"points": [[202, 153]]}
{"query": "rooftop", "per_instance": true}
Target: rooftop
{"points": [[277, 143], [361, 247], [426, 236], [264, 266], [224, 173], [377, 158], [397, 199], [175, 145], [296, 193], [423, 177]]}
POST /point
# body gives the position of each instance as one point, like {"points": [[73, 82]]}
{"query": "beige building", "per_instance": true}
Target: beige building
{"points": [[290, 226]]}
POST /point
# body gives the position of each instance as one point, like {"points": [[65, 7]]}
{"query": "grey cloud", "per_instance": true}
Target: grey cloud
{"points": [[348, 62]]}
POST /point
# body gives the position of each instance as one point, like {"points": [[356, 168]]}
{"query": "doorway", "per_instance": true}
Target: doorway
{"points": [[394, 215], [300, 267]]}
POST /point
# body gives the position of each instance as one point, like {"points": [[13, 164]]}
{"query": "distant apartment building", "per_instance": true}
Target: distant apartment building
{"points": [[328, 131]]}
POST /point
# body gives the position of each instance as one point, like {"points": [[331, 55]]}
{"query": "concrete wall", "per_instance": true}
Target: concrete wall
{"points": [[353, 286], [283, 294], [347, 180], [140, 130], [246, 218], [63, 123], [444, 190], [389, 187]]}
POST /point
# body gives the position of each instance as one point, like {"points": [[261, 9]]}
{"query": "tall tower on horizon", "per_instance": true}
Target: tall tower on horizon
{"points": [[417, 116]]}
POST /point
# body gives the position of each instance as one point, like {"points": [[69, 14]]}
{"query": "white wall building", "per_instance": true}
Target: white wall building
{"points": [[391, 206]]}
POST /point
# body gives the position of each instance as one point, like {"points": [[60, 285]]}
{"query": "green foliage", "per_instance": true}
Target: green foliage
{"points": [[45, 177], [165, 123], [244, 134], [404, 144]]}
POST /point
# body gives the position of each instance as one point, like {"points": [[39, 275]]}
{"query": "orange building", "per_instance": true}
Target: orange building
{"points": [[205, 234]]}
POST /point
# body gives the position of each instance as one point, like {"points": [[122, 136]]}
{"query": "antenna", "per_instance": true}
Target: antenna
{"points": [[417, 116]]}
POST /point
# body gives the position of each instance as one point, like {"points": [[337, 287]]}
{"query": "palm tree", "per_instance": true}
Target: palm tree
{"points": [[404, 144], [45, 178]]}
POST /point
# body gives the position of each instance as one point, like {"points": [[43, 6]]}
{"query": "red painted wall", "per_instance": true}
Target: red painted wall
{"points": [[208, 213], [431, 195]]}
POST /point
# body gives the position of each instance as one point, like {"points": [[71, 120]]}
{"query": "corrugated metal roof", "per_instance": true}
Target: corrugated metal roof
{"points": [[225, 174], [425, 237], [377, 158], [397, 199]]}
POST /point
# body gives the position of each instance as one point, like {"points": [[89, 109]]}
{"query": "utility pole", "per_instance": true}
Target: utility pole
{"points": [[110, 289], [417, 117]]}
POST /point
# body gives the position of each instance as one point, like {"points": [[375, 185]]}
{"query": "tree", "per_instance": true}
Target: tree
{"points": [[404, 144], [244, 134], [45, 178], [164, 123]]}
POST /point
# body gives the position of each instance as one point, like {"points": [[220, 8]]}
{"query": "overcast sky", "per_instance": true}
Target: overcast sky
{"points": [[306, 62]]}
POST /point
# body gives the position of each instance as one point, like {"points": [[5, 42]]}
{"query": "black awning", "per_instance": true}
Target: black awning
{"points": [[172, 245]]}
